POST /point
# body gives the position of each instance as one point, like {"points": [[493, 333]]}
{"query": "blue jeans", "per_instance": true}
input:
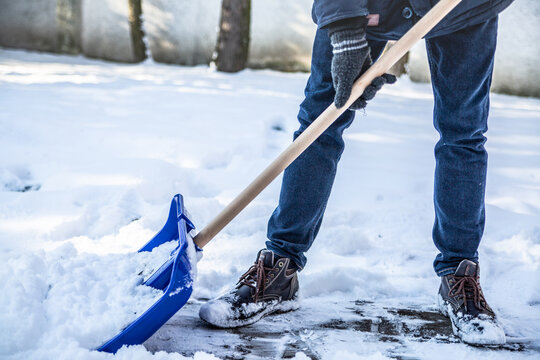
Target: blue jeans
{"points": [[461, 67]]}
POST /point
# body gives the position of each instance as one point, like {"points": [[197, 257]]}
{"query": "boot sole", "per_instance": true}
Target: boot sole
{"points": [[272, 309]]}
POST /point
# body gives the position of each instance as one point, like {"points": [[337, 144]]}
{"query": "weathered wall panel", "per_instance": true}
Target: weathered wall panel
{"points": [[29, 24], [105, 30], [185, 32], [68, 26], [282, 34], [518, 50], [182, 31]]}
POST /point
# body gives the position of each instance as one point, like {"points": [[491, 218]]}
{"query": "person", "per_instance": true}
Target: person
{"points": [[461, 54]]}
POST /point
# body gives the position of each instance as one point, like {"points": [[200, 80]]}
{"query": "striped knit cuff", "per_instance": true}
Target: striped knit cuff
{"points": [[348, 40]]}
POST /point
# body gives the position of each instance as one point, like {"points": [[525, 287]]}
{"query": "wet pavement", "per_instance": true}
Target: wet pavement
{"points": [[316, 331]]}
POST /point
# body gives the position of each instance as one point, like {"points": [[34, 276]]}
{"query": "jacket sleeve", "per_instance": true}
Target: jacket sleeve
{"points": [[325, 12]]}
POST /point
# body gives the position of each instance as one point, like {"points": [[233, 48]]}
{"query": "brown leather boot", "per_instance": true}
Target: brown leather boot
{"points": [[269, 286], [462, 300]]}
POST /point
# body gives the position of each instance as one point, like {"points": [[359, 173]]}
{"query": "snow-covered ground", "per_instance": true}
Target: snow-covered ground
{"points": [[92, 152]]}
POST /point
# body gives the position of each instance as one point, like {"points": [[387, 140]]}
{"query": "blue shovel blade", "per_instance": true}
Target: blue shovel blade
{"points": [[174, 277]]}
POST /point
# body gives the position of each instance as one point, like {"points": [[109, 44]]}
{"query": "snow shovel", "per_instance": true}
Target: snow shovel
{"points": [[175, 277]]}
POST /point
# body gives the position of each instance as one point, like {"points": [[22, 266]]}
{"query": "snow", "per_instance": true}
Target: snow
{"points": [[483, 330], [92, 153], [83, 297], [221, 313]]}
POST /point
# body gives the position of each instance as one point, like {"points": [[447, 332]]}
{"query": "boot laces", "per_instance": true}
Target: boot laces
{"points": [[468, 288], [255, 278]]}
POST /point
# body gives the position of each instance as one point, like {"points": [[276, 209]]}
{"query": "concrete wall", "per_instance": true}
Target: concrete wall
{"points": [[417, 66], [282, 34], [185, 32], [516, 70], [105, 30], [96, 28], [68, 26], [181, 31], [29, 24]]}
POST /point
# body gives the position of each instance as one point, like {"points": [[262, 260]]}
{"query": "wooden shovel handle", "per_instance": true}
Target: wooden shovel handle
{"points": [[389, 58]]}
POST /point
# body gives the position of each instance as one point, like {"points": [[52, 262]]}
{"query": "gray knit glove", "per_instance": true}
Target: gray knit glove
{"points": [[351, 58]]}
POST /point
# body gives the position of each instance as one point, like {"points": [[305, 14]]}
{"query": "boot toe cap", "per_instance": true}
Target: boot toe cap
{"points": [[482, 332], [216, 312]]}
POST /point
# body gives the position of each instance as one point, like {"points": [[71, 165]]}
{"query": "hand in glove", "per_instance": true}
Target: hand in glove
{"points": [[351, 58]]}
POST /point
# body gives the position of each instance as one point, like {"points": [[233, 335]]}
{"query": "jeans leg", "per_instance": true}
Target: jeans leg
{"points": [[461, 66], [308, 181]]}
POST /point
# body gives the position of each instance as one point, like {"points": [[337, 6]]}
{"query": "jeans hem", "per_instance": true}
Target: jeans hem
{"points": [[279, 253], [446, 271]]}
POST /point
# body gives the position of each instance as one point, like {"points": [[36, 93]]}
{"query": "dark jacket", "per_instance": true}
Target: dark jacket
{"points": [[395, 17]]}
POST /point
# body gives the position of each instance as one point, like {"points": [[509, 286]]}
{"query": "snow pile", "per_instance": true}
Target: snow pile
{"points": [[63, 295], [105, 147]]}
